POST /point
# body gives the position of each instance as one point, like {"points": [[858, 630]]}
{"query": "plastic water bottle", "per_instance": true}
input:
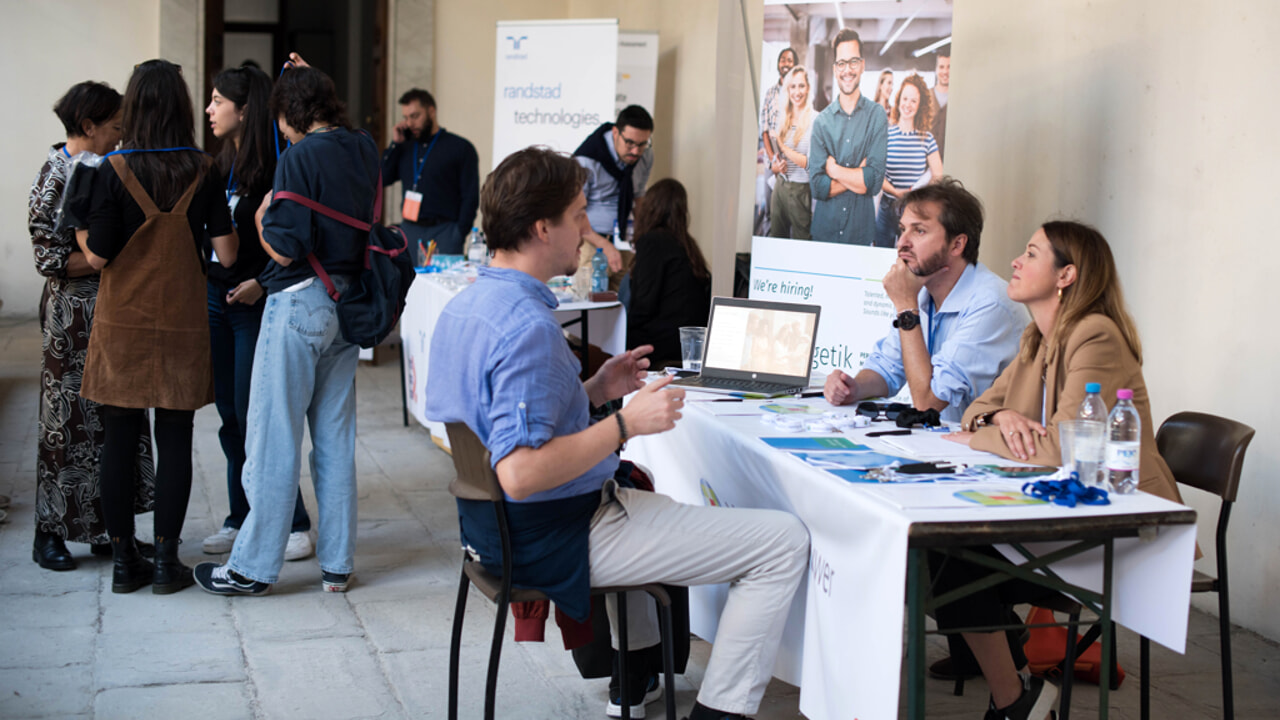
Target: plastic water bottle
{"points": [[477, 253], [1124, 444], [1090, 459], [599, 272]]}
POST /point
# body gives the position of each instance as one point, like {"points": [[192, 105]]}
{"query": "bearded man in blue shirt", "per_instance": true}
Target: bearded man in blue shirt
{"points": [[508, 373]]}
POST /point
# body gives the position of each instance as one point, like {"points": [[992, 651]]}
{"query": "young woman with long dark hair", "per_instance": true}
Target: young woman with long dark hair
{"points": [[151, 206], [670, 282], [240, 116]]}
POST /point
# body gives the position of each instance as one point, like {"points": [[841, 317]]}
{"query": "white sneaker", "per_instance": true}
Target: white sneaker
{"points": [[221, 541], [299, 547]]}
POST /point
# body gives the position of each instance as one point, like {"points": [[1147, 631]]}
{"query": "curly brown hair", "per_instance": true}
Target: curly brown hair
{"points": [[924, 116], [304, 96]]}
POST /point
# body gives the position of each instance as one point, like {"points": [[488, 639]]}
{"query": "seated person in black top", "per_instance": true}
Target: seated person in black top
{"points": [[670, 283]]}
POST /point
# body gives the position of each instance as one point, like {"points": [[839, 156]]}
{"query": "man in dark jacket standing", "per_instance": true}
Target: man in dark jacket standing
{"points": [[439, 173]]}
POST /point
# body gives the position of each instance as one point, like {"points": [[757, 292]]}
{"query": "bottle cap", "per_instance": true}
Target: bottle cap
{"points": [[1124, 394], [1093, 387], [599, 250]]}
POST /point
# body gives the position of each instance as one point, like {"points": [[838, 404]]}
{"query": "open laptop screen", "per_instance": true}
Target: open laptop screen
{"points": [[760, 337]]}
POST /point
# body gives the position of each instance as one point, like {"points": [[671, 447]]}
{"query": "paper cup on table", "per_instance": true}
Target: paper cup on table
{"points": [[692, 340], [1083, 448]]}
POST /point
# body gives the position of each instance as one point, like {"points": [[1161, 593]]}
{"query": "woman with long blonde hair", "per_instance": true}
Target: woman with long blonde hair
{"points": [[791, 209], [1080, 333]]}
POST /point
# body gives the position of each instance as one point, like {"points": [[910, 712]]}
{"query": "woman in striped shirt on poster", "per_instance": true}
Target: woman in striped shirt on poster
{"points": [[913, 159], [791, 209]]}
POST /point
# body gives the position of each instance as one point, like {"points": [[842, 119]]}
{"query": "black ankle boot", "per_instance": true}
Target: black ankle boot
{"points": [[170, 574], [51, 552], [145, 549], [131, 570]]}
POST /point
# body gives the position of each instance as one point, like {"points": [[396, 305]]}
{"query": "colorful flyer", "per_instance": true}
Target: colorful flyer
{"points": [[813, 443], [998, 498]]}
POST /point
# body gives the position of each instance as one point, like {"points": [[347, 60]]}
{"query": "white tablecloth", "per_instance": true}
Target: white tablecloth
{"points": [[427, 297], [843, 640]]}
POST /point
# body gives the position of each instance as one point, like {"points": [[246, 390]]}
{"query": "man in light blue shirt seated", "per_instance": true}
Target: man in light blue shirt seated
{"points": [[500, 364], [956, 328]]}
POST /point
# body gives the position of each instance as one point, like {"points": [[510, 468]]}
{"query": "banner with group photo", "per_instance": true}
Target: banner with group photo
{"points": [[843, 132], [555, 82]]}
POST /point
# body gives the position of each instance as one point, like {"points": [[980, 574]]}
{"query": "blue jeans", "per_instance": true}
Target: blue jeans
{"points": [[303, 370], [233, 333]]}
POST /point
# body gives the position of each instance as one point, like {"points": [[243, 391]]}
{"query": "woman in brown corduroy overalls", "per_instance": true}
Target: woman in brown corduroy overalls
{"points": [[149, 347]]}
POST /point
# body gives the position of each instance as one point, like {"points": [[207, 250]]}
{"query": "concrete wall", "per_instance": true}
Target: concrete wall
{"points": [[45, 48], [1109, 112]]}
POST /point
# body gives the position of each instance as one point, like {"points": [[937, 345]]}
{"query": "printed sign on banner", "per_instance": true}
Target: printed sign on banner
{"points": [[637, 70], [843, 279], [555, 82]]}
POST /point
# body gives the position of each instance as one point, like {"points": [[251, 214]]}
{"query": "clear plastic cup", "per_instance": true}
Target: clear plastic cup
{"points": [[692, 340], [1083, 445]]}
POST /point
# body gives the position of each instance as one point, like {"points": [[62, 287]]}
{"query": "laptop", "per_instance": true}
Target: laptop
{"points": [[756, 347]]}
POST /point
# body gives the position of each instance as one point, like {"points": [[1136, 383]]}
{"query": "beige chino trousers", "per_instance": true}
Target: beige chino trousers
{"points": [[641, 537]]}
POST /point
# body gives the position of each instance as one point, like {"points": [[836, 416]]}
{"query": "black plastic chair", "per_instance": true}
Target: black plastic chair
{"points": [[1206, 452], [476, 480]]}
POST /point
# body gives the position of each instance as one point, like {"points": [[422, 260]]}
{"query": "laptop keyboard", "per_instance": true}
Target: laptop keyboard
{"points": [[750, 386]]}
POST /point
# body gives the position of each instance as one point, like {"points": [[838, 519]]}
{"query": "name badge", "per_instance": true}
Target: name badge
{"points": [[412, 201]]}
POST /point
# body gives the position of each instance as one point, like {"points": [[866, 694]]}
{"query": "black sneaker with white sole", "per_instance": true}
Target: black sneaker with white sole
{"points": [[222, 580], [1036, 702], [640, 695], [334, 582]]}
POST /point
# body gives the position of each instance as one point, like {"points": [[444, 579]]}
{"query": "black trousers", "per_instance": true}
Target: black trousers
{"points": [[173, 468], [990, 606]]}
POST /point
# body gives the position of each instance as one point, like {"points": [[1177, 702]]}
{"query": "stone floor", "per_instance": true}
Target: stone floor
{"points": [[69, 648]]}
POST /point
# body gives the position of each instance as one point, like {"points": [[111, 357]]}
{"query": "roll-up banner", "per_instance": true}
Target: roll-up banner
{"points": [[810, 245], [555, 83], [637, 70]]}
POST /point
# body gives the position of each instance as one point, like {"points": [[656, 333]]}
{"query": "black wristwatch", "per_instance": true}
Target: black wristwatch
{"points": [[907, 320]]}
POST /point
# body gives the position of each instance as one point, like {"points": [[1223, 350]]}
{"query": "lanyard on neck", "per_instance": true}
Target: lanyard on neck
{"points": [[64, 152], [417, 166], [231, 179], [130, 151]]}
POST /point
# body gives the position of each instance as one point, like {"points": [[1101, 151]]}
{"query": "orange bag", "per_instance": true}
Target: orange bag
{"points": [[1047, 648]]}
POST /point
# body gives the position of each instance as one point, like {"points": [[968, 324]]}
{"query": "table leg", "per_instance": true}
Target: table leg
{"points": [[404, 390], [917, 582], [1104, 621]]}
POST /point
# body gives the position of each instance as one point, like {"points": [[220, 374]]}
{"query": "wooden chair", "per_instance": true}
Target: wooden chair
{"points": [[1205, 452], [476, 480]]}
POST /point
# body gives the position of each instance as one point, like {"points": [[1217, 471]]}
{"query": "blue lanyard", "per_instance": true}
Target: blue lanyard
{"points": [[933, 325], [231, 180], [130, 151], [417, 166], [64, 152]]}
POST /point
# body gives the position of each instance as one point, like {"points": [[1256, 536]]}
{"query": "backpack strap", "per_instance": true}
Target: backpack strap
{"points": [[343, 218]]}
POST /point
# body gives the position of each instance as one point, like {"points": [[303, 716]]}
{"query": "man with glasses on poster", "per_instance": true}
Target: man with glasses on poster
{"points": [[617, 158], [847, 154]]}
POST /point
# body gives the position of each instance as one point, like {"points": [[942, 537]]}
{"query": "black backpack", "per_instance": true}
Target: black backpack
{"points": [[370, 308]]}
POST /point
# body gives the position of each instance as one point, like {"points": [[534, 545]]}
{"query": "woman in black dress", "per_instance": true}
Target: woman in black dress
{"points": [[670, 282]]}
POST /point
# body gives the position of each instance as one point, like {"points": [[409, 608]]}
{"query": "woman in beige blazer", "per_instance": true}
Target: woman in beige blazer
{"points": [[1080, 333]]}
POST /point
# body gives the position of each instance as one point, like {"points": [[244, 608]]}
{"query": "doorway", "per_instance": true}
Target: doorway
{"points": [[347, 39]]}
